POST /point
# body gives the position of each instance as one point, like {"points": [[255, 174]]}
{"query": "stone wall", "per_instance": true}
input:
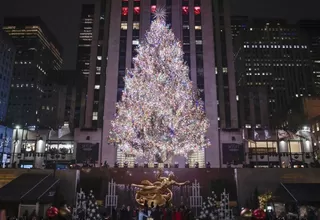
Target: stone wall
{"points": [[263, 179]]}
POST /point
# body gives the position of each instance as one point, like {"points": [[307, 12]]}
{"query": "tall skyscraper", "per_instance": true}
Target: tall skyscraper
{"points": [[224, 61], [7, 56], [72, 84], [92, 58], [204, 28], [273, 69], [311, 28], [38, 52]]}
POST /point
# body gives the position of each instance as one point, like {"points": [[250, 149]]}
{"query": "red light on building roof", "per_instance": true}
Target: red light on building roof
{"points": [[136, 10], [185, 10], [153, 8], [197, 10], [124, 11]]}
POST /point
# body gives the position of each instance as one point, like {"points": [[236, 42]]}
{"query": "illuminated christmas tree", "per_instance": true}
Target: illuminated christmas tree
{"points": [[160, 114]]}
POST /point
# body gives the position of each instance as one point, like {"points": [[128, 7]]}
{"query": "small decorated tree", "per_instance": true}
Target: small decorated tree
{"points": [[92, 208], [209, 209], [81, 206], [87, 207]]}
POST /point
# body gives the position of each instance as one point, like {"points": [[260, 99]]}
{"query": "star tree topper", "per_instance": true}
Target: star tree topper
{"points": [[160, 14]]}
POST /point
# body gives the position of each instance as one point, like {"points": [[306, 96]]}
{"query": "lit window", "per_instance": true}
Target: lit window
{"points": [[198, 42], [97, 87], [95, 116], [136, 26], [135, 42], [99, 58], [197, 27], [124, 25], [186, 27]]}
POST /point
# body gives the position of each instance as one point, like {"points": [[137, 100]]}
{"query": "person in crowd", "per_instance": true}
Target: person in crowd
{"points": [[123, 213], [178, 214], [129, 213], [141, 214], [168, 214], [33, 215], [156, 213], [114, 214]]}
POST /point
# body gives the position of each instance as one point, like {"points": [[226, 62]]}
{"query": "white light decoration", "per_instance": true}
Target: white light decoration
{"points": [[160, 114]]}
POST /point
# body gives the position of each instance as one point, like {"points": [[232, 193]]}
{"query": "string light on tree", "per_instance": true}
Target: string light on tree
{"points": [[159, 112]]}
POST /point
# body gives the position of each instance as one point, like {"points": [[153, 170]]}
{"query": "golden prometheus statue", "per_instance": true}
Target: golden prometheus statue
{"points": [[157, 193]]}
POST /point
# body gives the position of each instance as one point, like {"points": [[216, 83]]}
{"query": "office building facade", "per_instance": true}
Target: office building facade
{"points": [[38, 52], [311, 29], [201, 26], [7, 57], [92, 60], [273, 69]]}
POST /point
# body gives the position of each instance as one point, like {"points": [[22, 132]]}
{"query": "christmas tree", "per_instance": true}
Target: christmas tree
{"points": [[160, 114], [210, 209], [92, 208], [86, 207]]}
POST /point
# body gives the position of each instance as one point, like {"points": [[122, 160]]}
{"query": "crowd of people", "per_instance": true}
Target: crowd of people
{"points": [[151, 212]]}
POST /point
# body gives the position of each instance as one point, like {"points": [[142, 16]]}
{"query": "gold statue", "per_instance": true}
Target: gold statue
{"points": [[159, 192]]}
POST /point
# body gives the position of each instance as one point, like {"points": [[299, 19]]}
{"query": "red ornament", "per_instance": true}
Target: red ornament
{"points": [[185, 10], [153, 8], [197, 10], [124, 11], [259, 214], [136, 10], [52, 212]]}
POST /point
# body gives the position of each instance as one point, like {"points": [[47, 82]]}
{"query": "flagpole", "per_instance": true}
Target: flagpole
{"points": [[255, 144], [289, 145], [278, 148], [268, 154]]}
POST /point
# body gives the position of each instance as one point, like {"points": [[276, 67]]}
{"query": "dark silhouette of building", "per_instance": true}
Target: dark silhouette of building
{"points": [[72, 84], [7, 56], [311, 28], [92, 60], [32, 98]]}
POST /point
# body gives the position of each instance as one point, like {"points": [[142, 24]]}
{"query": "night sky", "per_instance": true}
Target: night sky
{"points": [[63, 16]]}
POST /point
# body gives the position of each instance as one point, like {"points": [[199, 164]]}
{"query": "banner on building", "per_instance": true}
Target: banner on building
{"points": [[232, 153], [259, 134], [87, 152]]}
